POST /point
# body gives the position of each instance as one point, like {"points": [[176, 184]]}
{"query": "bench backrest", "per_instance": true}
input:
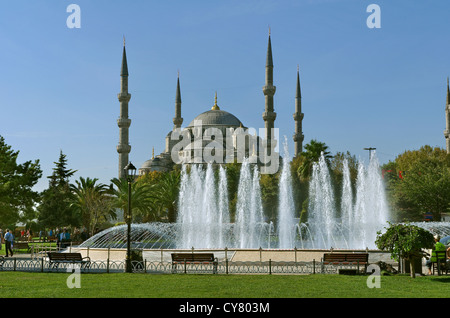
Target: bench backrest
{"points": [[193, 257], [346, 257], [65, 256], [73, 256], [56, 256], [20, 245]]}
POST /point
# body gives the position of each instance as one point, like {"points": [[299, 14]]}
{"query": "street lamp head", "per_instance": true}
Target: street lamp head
{"points": [[130, 170]]}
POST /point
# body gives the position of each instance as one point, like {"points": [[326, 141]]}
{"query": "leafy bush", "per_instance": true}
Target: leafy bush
{"points": [[405, 241]]}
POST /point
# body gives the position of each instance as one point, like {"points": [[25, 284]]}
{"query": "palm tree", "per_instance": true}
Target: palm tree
{"points": [[312, 153], [92, 202], [141, 197], [165, 194]]}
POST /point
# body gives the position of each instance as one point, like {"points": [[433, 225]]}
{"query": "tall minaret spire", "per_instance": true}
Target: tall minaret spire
{"points": [[447, 120], [269, 90], [177, 120], [123, 148], [298, 117]]}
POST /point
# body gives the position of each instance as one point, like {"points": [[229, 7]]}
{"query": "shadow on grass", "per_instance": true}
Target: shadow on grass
{"points": [[441, 279]]}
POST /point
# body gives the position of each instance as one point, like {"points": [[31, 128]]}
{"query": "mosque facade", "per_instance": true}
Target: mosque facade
{"points": [[215, 135]]}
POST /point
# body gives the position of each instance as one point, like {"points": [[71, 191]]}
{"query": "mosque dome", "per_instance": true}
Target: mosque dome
{"points": [[158, 163], [217, 117], [147, 164]]}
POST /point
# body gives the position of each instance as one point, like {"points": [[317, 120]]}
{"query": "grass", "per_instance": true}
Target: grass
{"points": [[31, 243], [122, 285]]}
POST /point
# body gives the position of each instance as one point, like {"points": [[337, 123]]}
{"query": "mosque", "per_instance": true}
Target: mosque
{"points": [[217, 133]]}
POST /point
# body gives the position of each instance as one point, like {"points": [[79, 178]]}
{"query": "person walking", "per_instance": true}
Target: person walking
{"points": [[8, 242]]}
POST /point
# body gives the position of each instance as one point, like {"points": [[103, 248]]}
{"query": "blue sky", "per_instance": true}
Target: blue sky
{"points": [[361, 87]]}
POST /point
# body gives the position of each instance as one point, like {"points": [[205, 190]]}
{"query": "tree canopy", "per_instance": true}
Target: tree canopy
{"points": [[405, 241], [17, 197], [56, 208], [92, 202], [419, 183]]}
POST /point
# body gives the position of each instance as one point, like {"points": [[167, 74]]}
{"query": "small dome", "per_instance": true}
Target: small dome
{"points": [[147, 164]]}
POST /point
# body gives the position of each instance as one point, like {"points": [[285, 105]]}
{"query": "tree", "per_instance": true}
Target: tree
{"points": [[233, 173], [336, 165], [419, 183], [409, 158], [312, 153], [269, 194], [16, 182], [427, 187], [300, 189], [165, 194], [92, 202], [141, 197], [17, 199], [56, 208], [405, 241]]}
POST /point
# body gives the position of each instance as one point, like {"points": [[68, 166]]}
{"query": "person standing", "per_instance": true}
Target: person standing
{"points": [[1, 238], [8, 242]]}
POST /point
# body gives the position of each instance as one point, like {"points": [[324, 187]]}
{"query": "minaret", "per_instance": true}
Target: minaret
{"points": [[123, 148], [269, 90], [447, 120], [177, 120], [298, 117]]}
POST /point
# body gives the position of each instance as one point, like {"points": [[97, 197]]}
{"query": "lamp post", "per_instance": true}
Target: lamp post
{"points": [[370, 151], [130, 173]]}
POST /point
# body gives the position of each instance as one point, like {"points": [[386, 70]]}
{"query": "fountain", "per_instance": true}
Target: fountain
{"points": [[146, 235], [436, 228], [354, 225], [286, 207], [203, 216], [321, 206], [249, 223], [204, 220], [371, 212]]}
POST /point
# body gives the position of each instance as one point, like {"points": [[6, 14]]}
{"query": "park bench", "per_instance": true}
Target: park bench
{"points": [[21, 246], [56, 258], [193, 258], [358, 259], [2, 261], [441, 262]]}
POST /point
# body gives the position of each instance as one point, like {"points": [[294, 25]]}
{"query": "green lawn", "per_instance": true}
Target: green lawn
{"points": [[21, 251], [122, 285]]}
